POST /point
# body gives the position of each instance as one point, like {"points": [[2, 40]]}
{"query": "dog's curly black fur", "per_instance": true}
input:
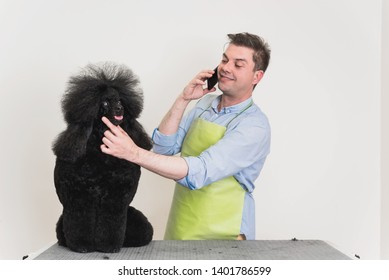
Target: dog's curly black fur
{"points": [[96, 189]]}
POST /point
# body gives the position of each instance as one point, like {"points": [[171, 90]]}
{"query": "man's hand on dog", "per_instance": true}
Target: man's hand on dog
{"points": [[117, 143]]}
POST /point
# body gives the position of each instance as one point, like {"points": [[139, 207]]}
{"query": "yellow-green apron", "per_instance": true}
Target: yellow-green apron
{"points": [[214, 211]]}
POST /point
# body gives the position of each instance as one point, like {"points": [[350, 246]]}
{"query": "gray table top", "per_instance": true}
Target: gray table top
{"points": [[209, 250]]}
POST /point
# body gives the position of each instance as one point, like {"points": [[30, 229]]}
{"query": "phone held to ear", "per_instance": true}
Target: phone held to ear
{"points": [[213, 80]]}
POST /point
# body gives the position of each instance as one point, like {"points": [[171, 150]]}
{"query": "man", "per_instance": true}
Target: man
{"points": [[223, 141]]}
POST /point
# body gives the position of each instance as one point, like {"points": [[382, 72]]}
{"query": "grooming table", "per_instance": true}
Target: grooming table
{"points": [[209, 250]]}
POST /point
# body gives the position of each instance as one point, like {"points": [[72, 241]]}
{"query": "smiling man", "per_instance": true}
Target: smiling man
{"points": [[223, 141]]}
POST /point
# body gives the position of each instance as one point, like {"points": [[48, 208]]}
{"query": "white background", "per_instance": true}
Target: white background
{"points": [[323, 93]]}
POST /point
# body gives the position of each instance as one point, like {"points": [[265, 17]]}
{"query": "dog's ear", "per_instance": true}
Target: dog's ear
{"points": [[81, 102], [71, 143], [137, 133]]}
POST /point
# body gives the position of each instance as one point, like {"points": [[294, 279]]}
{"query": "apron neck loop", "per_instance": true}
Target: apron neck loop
{"points": [[237, 115], [243, 110]]}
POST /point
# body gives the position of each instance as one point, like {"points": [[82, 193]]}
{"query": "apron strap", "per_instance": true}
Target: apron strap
{"points": [[237, 115]]}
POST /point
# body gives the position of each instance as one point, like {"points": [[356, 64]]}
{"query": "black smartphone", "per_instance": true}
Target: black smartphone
{"points": [[211, 82]]}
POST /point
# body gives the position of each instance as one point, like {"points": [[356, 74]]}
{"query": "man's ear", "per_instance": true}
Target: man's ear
{"points": [[257, 76]]}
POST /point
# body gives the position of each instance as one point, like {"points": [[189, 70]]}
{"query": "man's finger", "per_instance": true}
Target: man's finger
{"points": [[105, 149], [108, 134], [107, 142], [206, 74], [122, 130], [113, 128]]}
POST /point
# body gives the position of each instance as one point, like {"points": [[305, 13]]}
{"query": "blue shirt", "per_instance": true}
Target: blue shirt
{"points": [[240, 153]]}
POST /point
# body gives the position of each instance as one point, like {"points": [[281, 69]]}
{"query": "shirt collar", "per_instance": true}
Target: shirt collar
{"points": [[232, 109]]}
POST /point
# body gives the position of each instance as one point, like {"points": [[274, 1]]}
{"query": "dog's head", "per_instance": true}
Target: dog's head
{"points": [[112, 108], [109, 90], [96, 89]]}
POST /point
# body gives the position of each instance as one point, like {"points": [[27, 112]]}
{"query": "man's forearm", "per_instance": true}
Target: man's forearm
{"points": [[193, 91], [171, 121], [171, 167]]}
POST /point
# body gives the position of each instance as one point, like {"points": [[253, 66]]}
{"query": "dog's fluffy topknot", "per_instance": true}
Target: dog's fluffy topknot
{"points": [[85, 90]]}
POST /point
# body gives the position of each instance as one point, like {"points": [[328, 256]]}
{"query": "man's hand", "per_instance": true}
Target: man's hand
{"points": [[194, 90], [117, 143]]}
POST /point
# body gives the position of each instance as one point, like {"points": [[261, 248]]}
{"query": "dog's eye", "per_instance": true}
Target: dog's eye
{"points": [[105, 104]]}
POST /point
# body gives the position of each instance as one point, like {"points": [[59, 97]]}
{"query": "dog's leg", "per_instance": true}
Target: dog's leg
{"points": [[110, 231], [78, 228], [139, 231], [59, 230]]}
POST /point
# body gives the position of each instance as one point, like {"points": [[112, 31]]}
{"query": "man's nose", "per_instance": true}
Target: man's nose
{"points": [[226, 67]]}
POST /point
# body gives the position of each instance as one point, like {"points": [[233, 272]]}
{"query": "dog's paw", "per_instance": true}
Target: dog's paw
{"points": [[109, 250], [81, 250], [115, 250]]}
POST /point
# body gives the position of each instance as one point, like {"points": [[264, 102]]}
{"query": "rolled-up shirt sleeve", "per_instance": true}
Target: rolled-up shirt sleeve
{"points": [[243, 147], [165, 144], [171, 144]]}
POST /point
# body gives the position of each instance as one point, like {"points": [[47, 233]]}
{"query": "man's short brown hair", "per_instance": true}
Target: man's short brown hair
{"points": [[261, 56]]}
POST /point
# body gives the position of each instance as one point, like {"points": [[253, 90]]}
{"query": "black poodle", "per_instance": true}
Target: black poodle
{"points": [[96, 189]]}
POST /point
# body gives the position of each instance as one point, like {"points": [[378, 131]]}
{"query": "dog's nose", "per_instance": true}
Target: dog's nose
{"points": [[118, 107]]}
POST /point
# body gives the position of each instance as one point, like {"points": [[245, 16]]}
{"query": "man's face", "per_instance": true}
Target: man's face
{"points": [[236, 71]]}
